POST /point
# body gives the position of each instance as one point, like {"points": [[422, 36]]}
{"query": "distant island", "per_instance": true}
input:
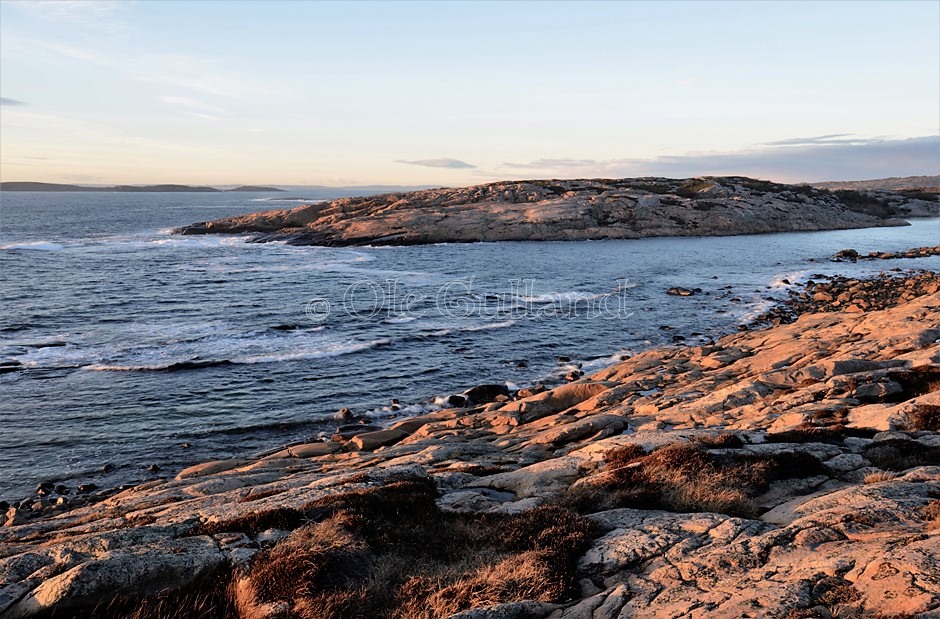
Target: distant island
{"points": [[254, 188], [31, 186], [904, 183], [569, 210]]}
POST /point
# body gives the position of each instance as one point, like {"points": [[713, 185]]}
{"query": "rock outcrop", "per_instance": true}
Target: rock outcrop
{"points": [[788, 472], [575, 210]]}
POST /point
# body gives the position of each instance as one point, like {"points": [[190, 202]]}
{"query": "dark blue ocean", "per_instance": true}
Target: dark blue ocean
{"points": [[131, 346]]}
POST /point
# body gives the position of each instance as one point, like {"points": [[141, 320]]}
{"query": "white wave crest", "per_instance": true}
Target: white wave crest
{"points": [[34, 246]]}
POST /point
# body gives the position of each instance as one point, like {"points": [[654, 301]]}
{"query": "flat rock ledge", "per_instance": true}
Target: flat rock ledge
{"points": [[560, 210], [820, 438]]}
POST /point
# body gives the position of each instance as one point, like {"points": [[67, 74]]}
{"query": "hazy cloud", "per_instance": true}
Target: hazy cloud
{"points": [[207, 76], [195, 107], [101, 15], [832, 138], [800, 161], [201, 115], [5, 101], [540, 164], [454, 164]]}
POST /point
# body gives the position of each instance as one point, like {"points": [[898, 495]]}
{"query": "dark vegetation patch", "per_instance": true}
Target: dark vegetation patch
{"points": [[652, 187], [208, 598], [900, 455], [725, 440], [808, 433], [390, 552], [758, 185], [256, 522], [257, 496], [829, 597], [478, 470], [822, 426], [864, 203], [705, 205], [685, 477], [622, 456], [931, 194], [916, 382], [925, 417], [931, 513], [691, 188]]}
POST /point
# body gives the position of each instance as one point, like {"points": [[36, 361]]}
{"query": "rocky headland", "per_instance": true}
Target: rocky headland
{"points": [[576, 210], [787, 472]]}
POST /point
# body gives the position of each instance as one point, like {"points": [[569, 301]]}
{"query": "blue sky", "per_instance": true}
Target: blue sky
{"points": [[457, 93]]}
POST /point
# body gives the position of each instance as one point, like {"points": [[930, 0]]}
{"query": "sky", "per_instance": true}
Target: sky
{"points": [[459, 93]]}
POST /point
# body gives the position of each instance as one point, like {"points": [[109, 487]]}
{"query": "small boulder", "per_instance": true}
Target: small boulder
{"points": [[373, 440], [846, 254], [484, 394]]}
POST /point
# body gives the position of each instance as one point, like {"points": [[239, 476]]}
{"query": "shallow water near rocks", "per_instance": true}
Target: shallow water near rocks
{"points": [[126, 343]]}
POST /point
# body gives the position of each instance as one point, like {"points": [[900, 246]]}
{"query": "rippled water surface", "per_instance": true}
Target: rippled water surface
{"points": [[133, 342]]}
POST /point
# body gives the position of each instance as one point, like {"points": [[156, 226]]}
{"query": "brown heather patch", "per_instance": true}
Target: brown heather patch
{"points": [[209, 598], [925, 417], [390, 552], [807, 433], [931, 513], [900, 455], [257, 496], [622, 456], [725, 440], [383, 552], [255, 522], [837, 596], [684, 477]]}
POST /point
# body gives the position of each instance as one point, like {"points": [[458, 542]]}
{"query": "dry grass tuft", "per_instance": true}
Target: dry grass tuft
{"points": [[874, 478]]}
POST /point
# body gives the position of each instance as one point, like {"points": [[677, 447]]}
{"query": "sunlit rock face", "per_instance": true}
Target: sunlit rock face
{"points": [[575, 210]]}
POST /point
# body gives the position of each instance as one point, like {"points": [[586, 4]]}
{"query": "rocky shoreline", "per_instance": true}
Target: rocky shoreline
{"points": [[789, 472], [576, 210]]}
